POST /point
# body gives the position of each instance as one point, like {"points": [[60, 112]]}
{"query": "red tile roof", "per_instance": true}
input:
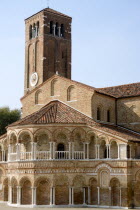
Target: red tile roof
{"points": [[55, 12], [121, 91], [60, 113], [50, 11]]}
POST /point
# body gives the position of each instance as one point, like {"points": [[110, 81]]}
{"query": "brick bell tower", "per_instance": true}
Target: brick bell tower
{"points": [[47, 47]]}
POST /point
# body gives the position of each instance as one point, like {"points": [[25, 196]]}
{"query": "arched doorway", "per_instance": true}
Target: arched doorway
{"points": [[26, 193], [6, 191], [104, 187], [62, 190], [93, 192], [14, 191], [78, 190], [115, 192], [43, 193]]}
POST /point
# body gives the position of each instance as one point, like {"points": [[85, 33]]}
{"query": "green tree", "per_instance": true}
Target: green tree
{"points": [[7, 117]]}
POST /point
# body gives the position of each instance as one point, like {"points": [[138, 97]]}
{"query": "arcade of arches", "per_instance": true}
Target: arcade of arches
{"points": [[48, 167]]}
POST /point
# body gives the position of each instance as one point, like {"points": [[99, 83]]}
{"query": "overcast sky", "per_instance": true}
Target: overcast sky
{"points": [[105, 42]]}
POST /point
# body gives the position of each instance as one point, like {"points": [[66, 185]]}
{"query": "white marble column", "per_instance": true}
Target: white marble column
{"points": [[97, 146], [10, 194], [84, 149], [54, 26], [53, 195], [70, 196], [33, 195], [9, 152], [87, 150], [107, 151], [54, 150], [59, 31], [84, 195], [70, 150], [109, 196], [19, 195], [32, 150], [118, 151], [18, 151], [98, 188], [36, 31], [51, 150]]}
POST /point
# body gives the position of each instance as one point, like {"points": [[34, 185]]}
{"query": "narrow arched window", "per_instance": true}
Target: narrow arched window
{"points": [[108, 115], [98, 113], [128, 151], [51, 27], [38, 97], [105, 152], [56, 29], [37, 28], [62, 30], [30, 32], [53, 87], [71, 94]]}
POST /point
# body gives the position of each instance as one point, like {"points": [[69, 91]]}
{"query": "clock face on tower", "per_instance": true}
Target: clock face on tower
{"points": [[34, 79]]}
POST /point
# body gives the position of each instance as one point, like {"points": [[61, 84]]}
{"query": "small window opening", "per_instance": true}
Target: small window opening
{"points": [[51, 27], [56, 29], [60, 149], [62, 30], [108, 116], [105, 153], [30, 32], [98, 114], [128, 151]]}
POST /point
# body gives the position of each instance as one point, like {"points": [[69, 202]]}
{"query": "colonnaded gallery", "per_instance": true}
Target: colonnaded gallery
{"points": [[76, 145]]}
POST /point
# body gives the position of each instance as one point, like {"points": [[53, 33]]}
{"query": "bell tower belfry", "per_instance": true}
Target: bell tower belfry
{"points": [[47, 47]]}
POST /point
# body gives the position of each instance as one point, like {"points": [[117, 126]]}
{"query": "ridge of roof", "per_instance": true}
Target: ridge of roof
{"points": [[61, 113], [50, 11], [121, 91]]}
